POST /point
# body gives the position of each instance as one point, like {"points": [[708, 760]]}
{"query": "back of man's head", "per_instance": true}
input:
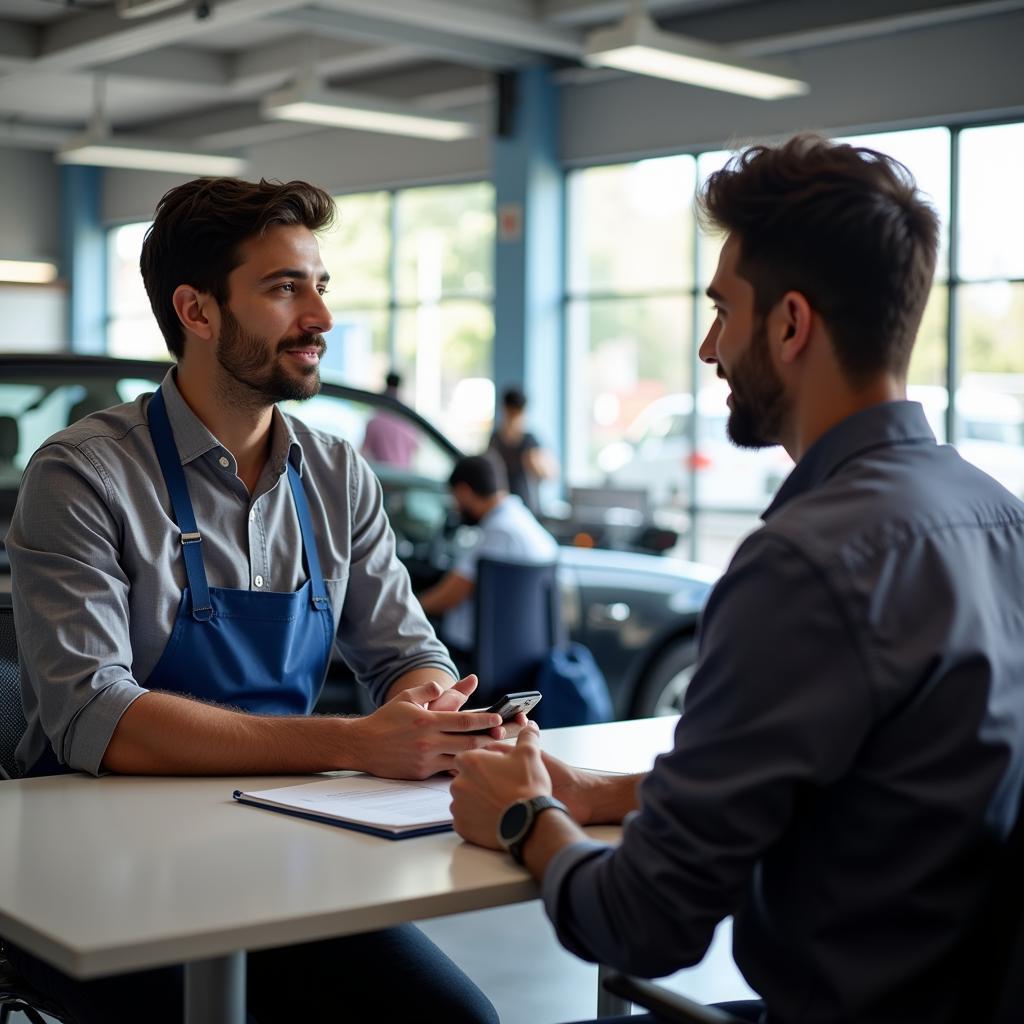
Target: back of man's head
{"points": [[514, 400], [846, 227], [477, 472], [393, 381], [198, 230]]}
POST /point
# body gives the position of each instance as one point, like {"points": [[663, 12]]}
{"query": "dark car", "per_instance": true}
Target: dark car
{"points": [[637, 613]]}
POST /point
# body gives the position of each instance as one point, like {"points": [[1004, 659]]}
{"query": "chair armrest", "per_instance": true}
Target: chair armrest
{"points": [[665, 1005]]}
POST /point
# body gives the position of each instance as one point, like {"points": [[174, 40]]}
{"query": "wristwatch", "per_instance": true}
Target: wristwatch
{"points": [[518, 820]]}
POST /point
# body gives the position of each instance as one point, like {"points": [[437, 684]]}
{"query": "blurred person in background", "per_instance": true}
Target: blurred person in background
{"points": [[389, 438], [526, 462], [508, 531]]}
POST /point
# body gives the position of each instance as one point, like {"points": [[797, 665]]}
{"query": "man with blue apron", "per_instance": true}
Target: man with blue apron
{"points": [[178, 606]]}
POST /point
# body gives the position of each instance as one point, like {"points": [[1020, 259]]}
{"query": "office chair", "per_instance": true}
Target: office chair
{"points": [[12, 721], [517, 623], [16, 995], [993, 950]]}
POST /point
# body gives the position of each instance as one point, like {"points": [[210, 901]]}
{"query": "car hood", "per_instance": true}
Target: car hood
{"points": [[687, 583]]}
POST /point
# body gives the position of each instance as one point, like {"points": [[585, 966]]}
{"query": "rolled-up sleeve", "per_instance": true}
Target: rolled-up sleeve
{"points": [[383, 632], [763, 723], [71, 606]]}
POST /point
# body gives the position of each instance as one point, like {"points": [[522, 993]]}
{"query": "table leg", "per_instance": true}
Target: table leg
{"points": [[608, 1004], [215, 990]]}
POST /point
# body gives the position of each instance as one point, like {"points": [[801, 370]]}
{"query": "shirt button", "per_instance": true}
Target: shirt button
{"points": [[258, 581], [224, 461]]}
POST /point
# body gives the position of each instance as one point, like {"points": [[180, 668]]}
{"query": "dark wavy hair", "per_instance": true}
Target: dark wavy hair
{"points": [[843, 225], [198, 230]]}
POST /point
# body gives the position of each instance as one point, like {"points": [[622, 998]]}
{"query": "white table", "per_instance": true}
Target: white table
{"points": [[102, 876]]}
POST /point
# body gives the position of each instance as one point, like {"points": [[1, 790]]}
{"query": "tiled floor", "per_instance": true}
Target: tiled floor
{"points": [[513, 955]]}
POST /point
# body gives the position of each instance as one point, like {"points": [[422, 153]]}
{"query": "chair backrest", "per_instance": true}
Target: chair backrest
{"points": [[12, 720], [517, 623]]}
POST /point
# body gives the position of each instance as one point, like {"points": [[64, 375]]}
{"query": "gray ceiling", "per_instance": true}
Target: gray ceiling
{"points": [[178, 75]]}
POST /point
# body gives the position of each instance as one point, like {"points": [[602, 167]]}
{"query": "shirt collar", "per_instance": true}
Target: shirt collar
{"points": [[194, 439], [878, 426]]}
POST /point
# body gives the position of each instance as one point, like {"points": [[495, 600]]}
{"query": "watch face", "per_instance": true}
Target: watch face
{"points": [[513, 821]]}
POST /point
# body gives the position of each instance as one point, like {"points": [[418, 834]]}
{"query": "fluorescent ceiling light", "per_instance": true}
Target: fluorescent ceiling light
{"points": [[312, 105], [27, 272], [638, 45], [149, 155]]}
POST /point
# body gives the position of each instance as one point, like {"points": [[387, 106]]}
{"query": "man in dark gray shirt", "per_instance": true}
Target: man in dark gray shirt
{"points": [[183, 565], [851, 754]]}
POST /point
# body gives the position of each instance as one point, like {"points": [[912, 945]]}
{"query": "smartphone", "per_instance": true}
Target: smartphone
{"points": [[508, 705]]}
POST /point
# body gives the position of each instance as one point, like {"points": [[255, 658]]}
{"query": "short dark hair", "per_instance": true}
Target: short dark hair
{"points": [[199, 228], [477, 472], [845, 226], [514, 398], [393, 380]]}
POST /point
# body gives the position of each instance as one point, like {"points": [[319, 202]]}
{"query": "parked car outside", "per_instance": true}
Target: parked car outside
{"points": [[658, 455], [637, 613], [990, 432]]}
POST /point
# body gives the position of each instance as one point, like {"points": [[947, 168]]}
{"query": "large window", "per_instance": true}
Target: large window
{"points": [[411, 289], [646, 415]]}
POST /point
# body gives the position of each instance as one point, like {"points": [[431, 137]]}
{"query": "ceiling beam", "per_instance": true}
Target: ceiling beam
{"points": [[174, 64], [18, 44], [482, 21], [786, 26], [437, 89], [228, 127], [269, 66], [428, 41], [588, 13], [102, 37]]}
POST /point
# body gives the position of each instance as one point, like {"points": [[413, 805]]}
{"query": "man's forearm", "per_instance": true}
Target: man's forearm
{"points": [[165, 734], [417, 677]]}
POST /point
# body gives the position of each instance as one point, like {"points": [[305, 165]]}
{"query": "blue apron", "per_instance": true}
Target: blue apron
{"points": [[263, 652]]}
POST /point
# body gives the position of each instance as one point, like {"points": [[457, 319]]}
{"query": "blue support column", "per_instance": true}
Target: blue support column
{"points": [[529, 252], [83, 257]]}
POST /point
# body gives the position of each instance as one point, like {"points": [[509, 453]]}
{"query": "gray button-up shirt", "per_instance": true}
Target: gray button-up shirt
{"points": [[97, 569], [852, 747]]}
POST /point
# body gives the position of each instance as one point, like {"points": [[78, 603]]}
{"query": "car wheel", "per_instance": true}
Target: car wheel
{"points": [[662, 689]]}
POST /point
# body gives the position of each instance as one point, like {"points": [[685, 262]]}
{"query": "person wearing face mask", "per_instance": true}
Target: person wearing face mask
{"points": [[508, 531]]}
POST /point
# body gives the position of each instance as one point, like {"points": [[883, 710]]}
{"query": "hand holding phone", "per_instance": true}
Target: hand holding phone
{"points": [[508, 705]]}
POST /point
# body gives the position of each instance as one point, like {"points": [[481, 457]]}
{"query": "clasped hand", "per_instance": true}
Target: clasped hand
{"points": [[419, 731]]}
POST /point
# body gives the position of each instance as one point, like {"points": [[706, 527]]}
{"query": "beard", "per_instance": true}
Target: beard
{"points": [[248, 359], [759, 402]]}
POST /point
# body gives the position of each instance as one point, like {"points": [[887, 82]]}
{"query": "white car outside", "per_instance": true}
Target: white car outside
{"points": [[656, 454], [990, 432]]}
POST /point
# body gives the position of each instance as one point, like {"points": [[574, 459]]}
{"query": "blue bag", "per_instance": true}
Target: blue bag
{"points": [[574, 688]]}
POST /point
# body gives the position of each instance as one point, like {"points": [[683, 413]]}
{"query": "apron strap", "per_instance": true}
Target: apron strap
{"points": [[181, 503], [312, 558]]}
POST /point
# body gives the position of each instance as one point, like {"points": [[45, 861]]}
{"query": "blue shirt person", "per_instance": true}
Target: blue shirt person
{"points": [[507, 530], [851, 753]]}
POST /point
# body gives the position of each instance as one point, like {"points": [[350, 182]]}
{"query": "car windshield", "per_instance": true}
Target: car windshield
{"points": [[33, 408]]}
